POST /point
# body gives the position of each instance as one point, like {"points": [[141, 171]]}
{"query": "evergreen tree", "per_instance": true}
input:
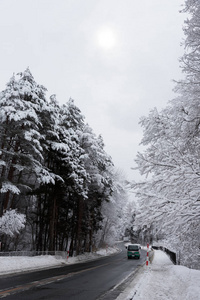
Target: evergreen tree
{"points": [[21, 153], [52, 167]]}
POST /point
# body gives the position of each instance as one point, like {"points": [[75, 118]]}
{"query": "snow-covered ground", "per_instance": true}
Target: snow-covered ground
{"points": [[162, 280], [15, 264]]}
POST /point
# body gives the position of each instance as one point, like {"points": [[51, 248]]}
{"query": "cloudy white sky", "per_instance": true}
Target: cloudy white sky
{"points": [[115, 58]]}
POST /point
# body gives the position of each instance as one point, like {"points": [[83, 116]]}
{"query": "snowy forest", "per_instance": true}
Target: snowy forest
{"points": [[59, 189], [169, 196]]}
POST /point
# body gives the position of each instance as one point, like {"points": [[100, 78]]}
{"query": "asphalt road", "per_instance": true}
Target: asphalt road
{"points": [[100, 279]]}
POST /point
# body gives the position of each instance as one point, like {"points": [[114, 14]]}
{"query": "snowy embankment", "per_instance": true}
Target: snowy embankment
{"points": [[15, 264], [162, 280]]}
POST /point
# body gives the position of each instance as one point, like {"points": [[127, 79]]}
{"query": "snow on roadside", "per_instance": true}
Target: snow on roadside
{"points": [[164, 281], [15, 264]]}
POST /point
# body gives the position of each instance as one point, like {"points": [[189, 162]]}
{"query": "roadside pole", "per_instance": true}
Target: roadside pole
{"points": [[147, 259]]}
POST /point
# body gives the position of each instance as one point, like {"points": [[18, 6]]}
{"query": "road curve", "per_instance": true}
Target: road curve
{"points": [[99, 279]]}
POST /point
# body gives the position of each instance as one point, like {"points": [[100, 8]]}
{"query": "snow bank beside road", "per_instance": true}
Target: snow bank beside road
{"points": [[164, 281], [15, 264]]}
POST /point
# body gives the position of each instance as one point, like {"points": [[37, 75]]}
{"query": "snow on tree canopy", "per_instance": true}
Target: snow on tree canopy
{"points": [[52, 166], [9, 187], [172, 157], [12, 222], [23, 112]]}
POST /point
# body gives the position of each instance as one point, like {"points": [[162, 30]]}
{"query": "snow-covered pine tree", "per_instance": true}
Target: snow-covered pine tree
{"points": [[21, 106], [57, 202], [47, 152], [99, 184]]}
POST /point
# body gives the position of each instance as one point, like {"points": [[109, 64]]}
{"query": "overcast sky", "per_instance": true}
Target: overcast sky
{"points": [[115, 58]]}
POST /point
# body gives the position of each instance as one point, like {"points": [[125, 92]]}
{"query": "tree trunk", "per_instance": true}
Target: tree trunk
{"points": [[79, 226], [52, 226]]}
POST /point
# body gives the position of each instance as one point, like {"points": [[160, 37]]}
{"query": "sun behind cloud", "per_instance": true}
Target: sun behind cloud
{"points": [[106, 38]]}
